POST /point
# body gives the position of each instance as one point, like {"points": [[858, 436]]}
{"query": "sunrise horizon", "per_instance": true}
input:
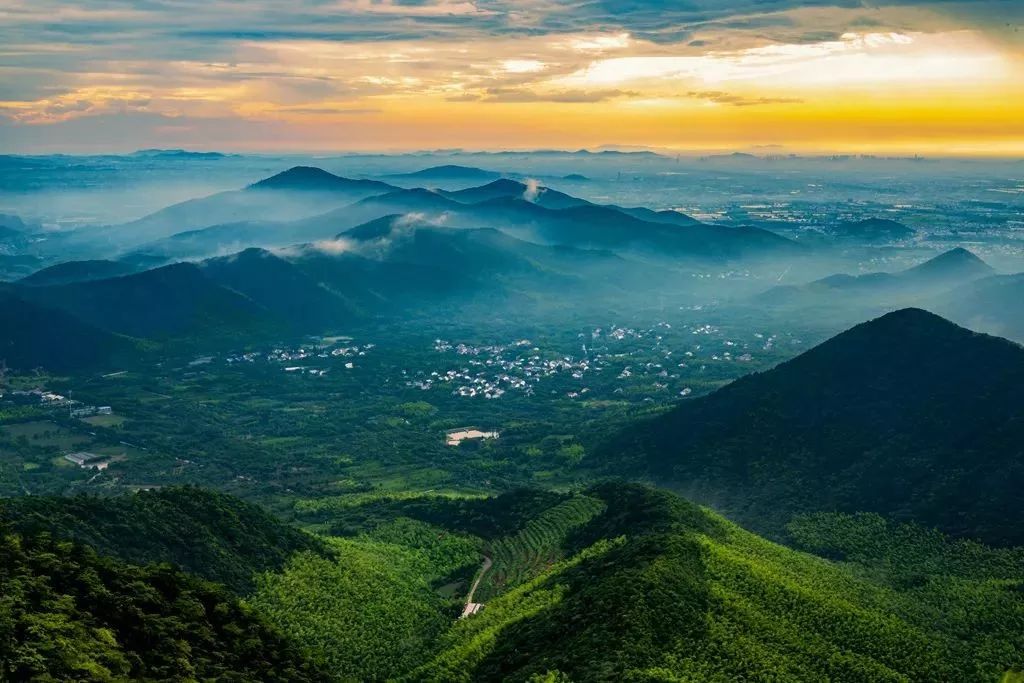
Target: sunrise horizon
{"points": [[929, 78]]}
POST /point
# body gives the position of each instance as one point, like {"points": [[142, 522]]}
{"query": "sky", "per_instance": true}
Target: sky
{"points": [[932, 77]]}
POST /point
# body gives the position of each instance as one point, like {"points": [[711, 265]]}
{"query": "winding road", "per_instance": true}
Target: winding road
{"points": [[472, 607]]}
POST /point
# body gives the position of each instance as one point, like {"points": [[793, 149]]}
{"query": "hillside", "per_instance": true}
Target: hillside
{"points": [[281, 289], [907, 415], [209, 534], [617, 581], [174, 301], [70, 615], [626, 582], [77, 271], [33, 335]]}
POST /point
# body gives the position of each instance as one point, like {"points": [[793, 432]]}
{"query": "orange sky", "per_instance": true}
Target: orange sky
{"points": [[384, 75]]}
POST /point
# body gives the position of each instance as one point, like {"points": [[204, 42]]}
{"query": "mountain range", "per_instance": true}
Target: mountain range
{"points": [[526, 210]]}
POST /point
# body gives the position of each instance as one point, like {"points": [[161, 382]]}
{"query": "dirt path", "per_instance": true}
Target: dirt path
{"points": [[469, 598]]}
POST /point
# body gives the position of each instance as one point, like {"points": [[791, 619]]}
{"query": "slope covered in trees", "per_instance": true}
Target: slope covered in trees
{"points": [[658, 589], [212, 535], [67, 614], [626, 582], [908, 415]]}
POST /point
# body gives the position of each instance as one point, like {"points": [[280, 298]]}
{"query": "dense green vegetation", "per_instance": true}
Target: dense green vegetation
{"points": [[371, 612], [682, 594], [908, 415], [212, 535], [537, 546], [67, 614]]}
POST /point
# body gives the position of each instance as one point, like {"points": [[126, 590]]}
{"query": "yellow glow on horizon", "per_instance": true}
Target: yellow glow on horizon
{"points": [[953, 91]]}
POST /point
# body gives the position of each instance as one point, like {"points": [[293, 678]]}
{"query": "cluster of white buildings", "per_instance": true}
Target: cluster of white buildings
{"points": [[303, 353]]}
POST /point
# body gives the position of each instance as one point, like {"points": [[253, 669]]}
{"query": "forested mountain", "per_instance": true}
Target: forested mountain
{"points": [[173, 301], [69, 615], [907, 415], [33, 335], [209, 534], [280, 288], [617, 581], [625, 582]]}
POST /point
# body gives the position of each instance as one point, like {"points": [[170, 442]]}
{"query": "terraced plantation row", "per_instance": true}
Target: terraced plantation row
{"points": [[526, 554]]}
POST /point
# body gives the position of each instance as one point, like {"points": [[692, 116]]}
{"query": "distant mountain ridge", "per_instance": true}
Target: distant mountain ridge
{"points": [[947, 270], [528, 211], [449, 172], [77, 271]]}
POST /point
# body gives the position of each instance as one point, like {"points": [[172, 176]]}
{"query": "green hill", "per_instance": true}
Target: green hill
{"points": [[174, 301], [67, 614], [616, 582], [656, 589], [212, 535], [908, 415]]}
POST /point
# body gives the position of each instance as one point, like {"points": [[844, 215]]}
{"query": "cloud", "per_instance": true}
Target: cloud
{"points": [[361, 63], [514, 95], [720, 97]]}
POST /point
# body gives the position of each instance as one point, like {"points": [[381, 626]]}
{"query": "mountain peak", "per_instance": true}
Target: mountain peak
{"points": [[505, 185], [313, 178], [453, 171], [956, 261]]}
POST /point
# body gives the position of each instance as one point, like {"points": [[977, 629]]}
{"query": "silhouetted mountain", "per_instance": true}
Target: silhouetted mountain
{"points": [[872, 230], [944, 271], [32, 335], [507, 188], [603, 227], [77, 271], [957, 264], [907, 415], [297, 193], [449, 172], [312, 179]]}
